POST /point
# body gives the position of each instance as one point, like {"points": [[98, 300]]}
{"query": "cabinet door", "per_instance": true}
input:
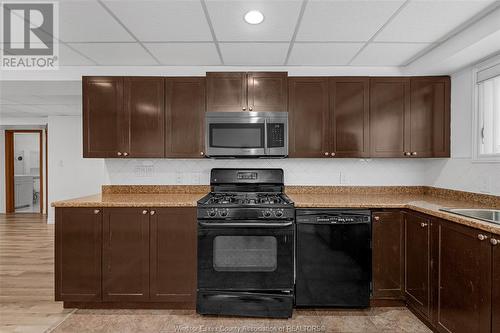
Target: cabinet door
{"points": [[267, 91], [185, 112], [78, 254], [463, 300], [103, 116], [308, 119], [429, 117], [387, 255], [145, 112], [495, 283], [349, 110], [389, 104], [125, 254], [417, 262], [226, 92], [173, 255]]}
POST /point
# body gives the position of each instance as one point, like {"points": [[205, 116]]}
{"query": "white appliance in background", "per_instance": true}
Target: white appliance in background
{"points": [[23, 191]]}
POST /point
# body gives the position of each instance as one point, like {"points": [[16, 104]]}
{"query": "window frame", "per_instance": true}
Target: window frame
{"points": [[477, 157]]}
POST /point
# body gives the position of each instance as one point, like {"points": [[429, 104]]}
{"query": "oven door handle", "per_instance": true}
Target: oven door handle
{"points": [[232, 224]]}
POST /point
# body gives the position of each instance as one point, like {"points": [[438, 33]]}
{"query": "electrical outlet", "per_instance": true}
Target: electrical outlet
{"points": [[344, 178], [144, 171]]}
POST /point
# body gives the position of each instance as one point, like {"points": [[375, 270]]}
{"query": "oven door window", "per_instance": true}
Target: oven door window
{"points": [[245, 254], [228, 135]]}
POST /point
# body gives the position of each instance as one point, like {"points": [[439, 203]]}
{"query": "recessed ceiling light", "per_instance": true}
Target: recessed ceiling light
{"points": [[254, 17]]}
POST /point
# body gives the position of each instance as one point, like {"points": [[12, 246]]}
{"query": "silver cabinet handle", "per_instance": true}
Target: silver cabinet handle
{"points": [[244, 108], [125, 154], [423, 225], [202, 153], [96, 211], [326, 153], [250, 108], [414, 153], [332, 154], [481, 237], [494, 241], [376, 218], [119, 153], [144, 212], [152, 212], [406, 153]]}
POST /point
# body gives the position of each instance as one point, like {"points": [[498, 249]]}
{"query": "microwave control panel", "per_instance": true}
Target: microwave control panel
{"points": [[275, 135]]}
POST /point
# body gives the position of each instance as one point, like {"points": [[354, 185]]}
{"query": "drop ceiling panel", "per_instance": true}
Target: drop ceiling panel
{"points": [[319, 54], [185, 53], [280, 18], [254, 53], [163, 20], [69, 57], [388, 54], [344, 20], [116, 54], [88, 21], [430, 21]]}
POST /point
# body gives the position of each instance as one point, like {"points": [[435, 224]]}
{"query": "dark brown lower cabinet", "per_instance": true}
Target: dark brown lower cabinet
{"points": [[417, 258], [173, 258], [78, 254], [125, 273], [463, 286], [495, 285], [148, 255], [387, 258]]}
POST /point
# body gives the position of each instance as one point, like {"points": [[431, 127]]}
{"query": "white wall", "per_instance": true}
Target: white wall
{"points": [[70, 175], [460, 172]]}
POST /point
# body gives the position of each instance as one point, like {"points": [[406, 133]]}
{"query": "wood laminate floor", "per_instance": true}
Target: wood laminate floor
{"points": [[27, 300]]}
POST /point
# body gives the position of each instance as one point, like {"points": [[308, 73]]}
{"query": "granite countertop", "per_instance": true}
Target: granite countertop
{"points": [[424, 203], [422, 199], [133, 200]]}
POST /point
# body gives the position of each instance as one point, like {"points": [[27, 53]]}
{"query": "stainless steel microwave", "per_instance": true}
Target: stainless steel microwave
{"points": [[246, 134]]}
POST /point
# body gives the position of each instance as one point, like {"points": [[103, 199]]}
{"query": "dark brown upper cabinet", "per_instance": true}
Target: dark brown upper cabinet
{"points": [[430, 117], [78, 254], [267, 91], [144, 117], [417, 240], [125, 264], [255, 91], [173, 255], [185, 117], [389, 104], [123, 116], [388, 254], [463, 273], [410, 117], [103, 116], [308, 117], [349, 117]]}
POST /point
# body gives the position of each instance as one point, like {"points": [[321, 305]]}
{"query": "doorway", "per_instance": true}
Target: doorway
{"points": [[24, 171]]}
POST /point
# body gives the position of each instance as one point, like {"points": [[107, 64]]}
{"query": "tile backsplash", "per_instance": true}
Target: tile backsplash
{"points": [[297, 171]]}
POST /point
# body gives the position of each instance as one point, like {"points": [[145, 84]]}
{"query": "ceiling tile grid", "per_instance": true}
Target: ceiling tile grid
{"points": [[294, 32]]}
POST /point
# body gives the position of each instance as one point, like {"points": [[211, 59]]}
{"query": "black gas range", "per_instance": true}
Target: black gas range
{"points": [[246, 245]]}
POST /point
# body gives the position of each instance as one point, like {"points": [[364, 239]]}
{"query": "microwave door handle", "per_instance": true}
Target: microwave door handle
{"points": [[266, 152]]}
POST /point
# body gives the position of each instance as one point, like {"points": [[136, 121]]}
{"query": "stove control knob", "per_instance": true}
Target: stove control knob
{"points": [[223, 213], [267, 213], [278, 213], [211, 213]]}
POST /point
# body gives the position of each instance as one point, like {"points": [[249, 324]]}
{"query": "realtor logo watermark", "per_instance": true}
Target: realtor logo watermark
{"points": [[30, 36]]}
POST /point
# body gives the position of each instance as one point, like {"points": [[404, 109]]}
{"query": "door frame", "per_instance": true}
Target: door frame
{"points": [[9, 168]]}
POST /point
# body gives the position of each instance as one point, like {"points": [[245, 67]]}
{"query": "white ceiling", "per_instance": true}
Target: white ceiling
{"points": [[104, 33], [212, 32]]}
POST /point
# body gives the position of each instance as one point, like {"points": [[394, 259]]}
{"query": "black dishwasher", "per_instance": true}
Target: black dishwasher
{"points": [[333, 258]]}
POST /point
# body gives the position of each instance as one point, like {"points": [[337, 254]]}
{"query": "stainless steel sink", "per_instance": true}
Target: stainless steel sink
{"points": [[488, 215]]}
